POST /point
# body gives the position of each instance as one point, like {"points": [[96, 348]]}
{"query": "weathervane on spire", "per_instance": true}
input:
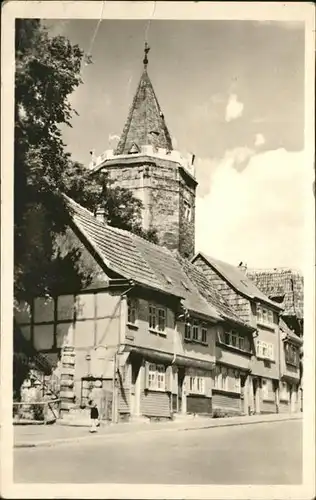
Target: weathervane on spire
{"points": [[146, 50]]}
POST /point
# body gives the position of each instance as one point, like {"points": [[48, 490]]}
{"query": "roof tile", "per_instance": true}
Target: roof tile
{"points": [[151, 265]]}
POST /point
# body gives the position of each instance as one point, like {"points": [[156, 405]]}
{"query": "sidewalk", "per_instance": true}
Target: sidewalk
{"points": [[52, 435]]}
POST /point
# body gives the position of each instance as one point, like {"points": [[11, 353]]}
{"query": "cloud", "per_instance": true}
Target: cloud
{"points": [[236, 159], [113, 139], [234, 108], [259, 140], [255, 216]]}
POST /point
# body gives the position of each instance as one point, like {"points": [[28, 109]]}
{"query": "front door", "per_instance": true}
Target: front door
{"points": [[244, 394], [181, 375], [256, 395], [135, 385]]}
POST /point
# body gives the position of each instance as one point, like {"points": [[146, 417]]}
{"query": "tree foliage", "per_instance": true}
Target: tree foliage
{"points": [[47, 72]]}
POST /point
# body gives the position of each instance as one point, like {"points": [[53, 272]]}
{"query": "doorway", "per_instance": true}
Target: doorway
{"points": [[136, 363], [256, 395], [181, 375]]}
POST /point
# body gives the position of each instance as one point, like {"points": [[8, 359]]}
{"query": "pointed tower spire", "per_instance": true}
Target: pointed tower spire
{"points": [[145, 124]]}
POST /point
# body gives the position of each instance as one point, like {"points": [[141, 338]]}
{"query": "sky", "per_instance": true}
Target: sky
{"points": [[232, 93]]}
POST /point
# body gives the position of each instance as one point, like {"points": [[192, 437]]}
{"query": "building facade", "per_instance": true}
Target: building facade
{"points": [[263, 314], [143, 335]]}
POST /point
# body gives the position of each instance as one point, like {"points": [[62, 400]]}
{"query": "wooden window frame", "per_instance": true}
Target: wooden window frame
{"points": [[132, 310]]}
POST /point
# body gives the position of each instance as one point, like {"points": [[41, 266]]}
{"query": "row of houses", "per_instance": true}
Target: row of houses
{"points": [[161, 331], [177, 336]]}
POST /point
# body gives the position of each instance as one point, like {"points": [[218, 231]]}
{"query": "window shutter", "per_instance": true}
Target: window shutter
{"points": [[169, 379], [146, 375]]}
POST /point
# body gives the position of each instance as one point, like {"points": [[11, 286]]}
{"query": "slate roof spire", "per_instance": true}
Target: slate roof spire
{"points": [[145, 124]]}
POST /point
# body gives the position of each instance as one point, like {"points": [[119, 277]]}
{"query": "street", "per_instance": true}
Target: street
{"points": [[267, 453]]}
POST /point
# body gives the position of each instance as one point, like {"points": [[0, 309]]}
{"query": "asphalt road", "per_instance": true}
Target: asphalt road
{"points": [[269, 453]]}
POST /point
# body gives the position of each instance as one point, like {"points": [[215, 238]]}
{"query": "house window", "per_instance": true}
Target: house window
{"points": [[259, 314], [197, 385], [131, 310], [234, 339], [152, 376], [161, 377], [264, 316], [265, 350], [218, 377], [187, 331], [152, 317], [291, 354], [195, 330], [156, 377], [227, 338], [204, 334], [238, 341], [161, 320], [157, 318], [241, 343], [227, 379], [237, 381], [224, 378]]}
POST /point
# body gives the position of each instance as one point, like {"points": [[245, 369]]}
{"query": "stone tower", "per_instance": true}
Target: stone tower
{"points": [[146, 163]]}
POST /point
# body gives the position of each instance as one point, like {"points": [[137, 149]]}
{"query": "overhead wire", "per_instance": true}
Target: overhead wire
{"points": [[149, 22], [89, 52]]}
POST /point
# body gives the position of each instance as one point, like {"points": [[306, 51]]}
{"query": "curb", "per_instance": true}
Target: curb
{"points": [[230, 424], [78, 439]]}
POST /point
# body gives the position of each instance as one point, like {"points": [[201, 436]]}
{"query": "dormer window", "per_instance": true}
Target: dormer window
{"points": [[134, 149]]}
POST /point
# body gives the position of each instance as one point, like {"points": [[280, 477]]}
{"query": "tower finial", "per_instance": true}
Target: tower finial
{"points": [[146, 50]]}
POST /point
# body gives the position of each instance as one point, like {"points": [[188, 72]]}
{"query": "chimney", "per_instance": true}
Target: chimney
{"points": [[100, 214], [242, 267]]}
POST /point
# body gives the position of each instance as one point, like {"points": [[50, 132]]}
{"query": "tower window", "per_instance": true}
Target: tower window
{"points": [[187, 211]]}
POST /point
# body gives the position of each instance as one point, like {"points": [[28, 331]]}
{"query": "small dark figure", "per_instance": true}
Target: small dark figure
{"points": [[94, 416]]}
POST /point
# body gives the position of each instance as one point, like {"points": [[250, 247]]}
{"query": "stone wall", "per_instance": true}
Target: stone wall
{"points": [[163, 189]]}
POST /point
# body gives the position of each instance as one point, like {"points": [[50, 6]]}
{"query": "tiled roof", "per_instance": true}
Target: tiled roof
{"points": [[288, 333], [150, 265], [208, 291], [237, 278], [285, 284], [145, 123]]}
